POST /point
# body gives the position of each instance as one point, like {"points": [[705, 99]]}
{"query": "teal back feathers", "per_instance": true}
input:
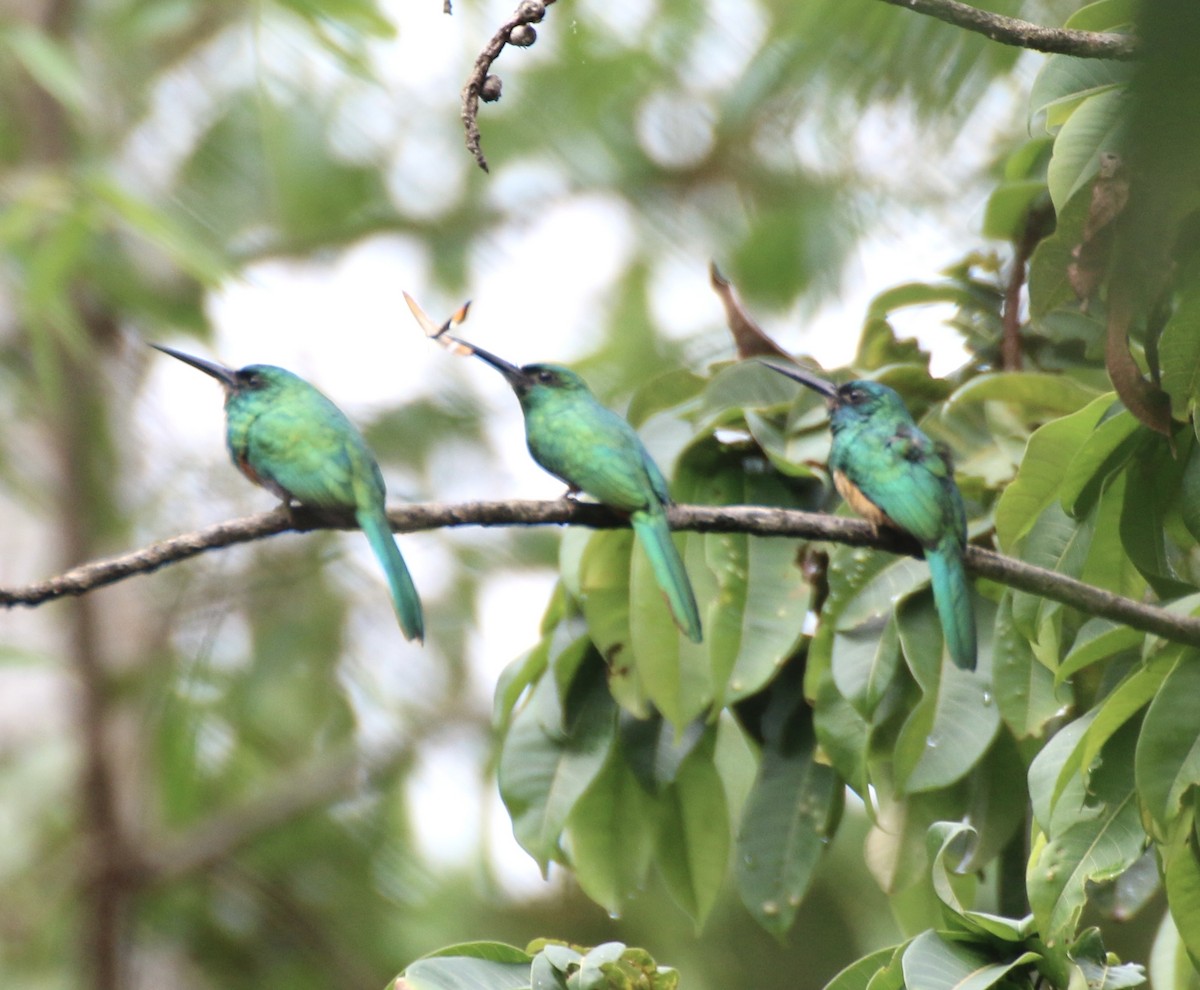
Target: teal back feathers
{"points": [[893, 474], [592, 449], [285, 435]]}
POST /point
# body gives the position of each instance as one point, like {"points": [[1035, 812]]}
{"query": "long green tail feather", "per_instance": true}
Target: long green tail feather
{"points": [[655, 536], [404, 594], [952, 595]]}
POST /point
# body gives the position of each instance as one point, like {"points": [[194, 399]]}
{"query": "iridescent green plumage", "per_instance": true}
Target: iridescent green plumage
{"points": [[594, 450], [283, 434], [894, 475]]}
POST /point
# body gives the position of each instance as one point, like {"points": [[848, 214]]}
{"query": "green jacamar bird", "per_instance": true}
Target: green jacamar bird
{"points": [[894, 475], [286, 436], [592, 449]]}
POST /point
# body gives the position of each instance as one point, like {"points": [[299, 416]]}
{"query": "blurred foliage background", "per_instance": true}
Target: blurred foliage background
{"points": [[227, 774]]}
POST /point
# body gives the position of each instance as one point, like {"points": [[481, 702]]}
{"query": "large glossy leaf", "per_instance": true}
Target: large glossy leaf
{"points": [[471, 966], [693, 840], [1039, 482], [1096, 847], [1064, 82], [1168, 751], [861, 974], [1097, 640], [762, 596], [1036, 394], [1097, 126], [932, 962], [1153, 479], [611, 833], [1053, 811], [947, 733], [671, 668], [543, 773], [1181, 872], [1103, 452], [788, 820], [865, 660], [1026, 694], [1107, 718], [1179, 354]]}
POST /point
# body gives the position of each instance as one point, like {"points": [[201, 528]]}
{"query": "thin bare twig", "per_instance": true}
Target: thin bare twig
{"points": [[526, 13], [1023, 34], [755, 520]]}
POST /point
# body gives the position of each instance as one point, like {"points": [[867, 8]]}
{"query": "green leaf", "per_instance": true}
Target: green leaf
{"points": [[952, 726], [947, 733], [611, 833], [515, 678], [1095, 849], [860, 973], [1152, 480], [470, 966], [693, 842], [543, 774], [544, 975], [671, 669], [1097, 639], [953, 888], [932, 962], [762, 597], [1179, 354], [786, 824], [1006, 214], [1065, 82], [1038, 394], [1026, 694], [1054, 811], [1181, 873], [865, 662], [1095, 127], [499, 952], [1167, 763], [1103, 15], [161, 229], [50, 63], [1170, 966], [1057, 543], [593, 965], [1123, 703], [1049, 283], [1106, 450], [1040, 477]]}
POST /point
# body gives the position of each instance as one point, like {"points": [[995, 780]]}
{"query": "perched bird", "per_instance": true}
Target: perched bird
{"points": [[286, 436], [894, 475], [592, 449]]}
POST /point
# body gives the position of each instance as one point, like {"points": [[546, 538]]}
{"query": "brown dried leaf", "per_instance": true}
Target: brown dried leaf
{"points": [[1148, 403], [749, 340], [1110, 196]]}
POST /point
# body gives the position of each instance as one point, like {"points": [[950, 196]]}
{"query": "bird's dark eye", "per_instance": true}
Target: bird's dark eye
{"points": [[854, 396], [252, 379], [545, 377]]}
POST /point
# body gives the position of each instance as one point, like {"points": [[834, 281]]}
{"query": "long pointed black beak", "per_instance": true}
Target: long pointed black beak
{"points": [[805, 377], [226, 376], [517, 378]]}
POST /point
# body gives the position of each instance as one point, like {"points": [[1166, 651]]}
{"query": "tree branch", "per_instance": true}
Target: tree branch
{"points": [[1023, 34], [528, 12], [755, 520]]}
